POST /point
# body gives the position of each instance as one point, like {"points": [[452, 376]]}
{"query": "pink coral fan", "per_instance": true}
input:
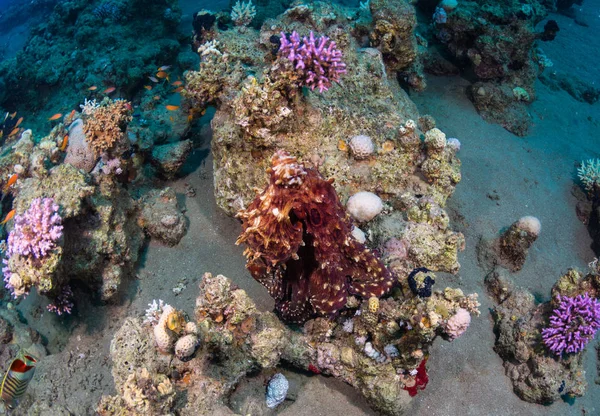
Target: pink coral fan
{"points": [[572, 324], [458, 324], [37, 230], [63, 302], [318, 61]]}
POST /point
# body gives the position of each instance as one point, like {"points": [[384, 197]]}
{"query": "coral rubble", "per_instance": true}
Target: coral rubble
{"points": [[381, 349]]}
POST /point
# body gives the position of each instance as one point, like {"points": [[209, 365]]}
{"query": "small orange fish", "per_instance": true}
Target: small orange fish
{"points": [[164, 68], [109, 90], [153, 79], [13, 115], [92, 88], [9, 216], [148, 87], [55, 117], [156, 97], [172, 107], [11, 182], [19, 121], [177, 90], [171, 118], [72, 114], [161, 74], [64, 144], [15, 131], [177, 83]]}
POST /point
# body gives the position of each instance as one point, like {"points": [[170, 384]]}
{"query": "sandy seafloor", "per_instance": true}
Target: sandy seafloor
{"points": [[533, 175]]}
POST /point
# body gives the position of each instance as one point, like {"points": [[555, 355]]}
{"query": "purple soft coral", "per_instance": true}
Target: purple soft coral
{"points": [[572, 324], [63, 302], [37, 230], [318, 61]]}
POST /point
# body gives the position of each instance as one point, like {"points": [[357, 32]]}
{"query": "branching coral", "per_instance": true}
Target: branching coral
{"points": [[573, 324], [319, 61], [589, 174], [105, 124], [34, 238], [37, 230], [301, 248], [243, 13]]}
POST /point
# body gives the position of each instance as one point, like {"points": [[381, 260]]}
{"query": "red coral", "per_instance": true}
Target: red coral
{"points": [[300, 245]]}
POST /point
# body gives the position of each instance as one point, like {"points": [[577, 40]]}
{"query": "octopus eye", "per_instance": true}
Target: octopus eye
{"points": [[315, 217]]}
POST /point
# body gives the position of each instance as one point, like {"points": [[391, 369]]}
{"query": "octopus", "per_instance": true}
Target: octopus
{"points": [[300, 246]]}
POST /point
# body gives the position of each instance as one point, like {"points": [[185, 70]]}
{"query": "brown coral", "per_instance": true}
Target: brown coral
{"points": [[300, 245], [105, 125]]}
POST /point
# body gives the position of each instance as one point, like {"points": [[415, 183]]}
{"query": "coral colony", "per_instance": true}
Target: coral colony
{"points": [[572, 324], [318, 61], [37, 230], [35, 234]]}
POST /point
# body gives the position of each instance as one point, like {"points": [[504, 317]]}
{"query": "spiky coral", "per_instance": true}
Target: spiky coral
{"points": [[301, 248], [573, 324], [589, 174], [105, 126]]}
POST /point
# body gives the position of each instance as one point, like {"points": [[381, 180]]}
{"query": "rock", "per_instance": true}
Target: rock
{"points": [[161, 217], [79, 153], [169, 158]]}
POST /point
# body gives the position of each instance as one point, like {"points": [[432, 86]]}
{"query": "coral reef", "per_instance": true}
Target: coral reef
{"points": [[55, 58], [381, 349], [100, 237], [497, 44], [300, 245], [538, 375]]}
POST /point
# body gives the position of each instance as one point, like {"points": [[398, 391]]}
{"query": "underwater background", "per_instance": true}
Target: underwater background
{"points": [[472, 125]]}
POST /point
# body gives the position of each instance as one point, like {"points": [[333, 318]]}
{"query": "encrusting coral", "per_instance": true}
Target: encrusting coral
{"points": [[301, 248]]}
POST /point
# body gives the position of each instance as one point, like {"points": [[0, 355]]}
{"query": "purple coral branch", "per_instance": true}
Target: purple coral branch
{"points": [[63, 302], [318, 61], [572, 324]]}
